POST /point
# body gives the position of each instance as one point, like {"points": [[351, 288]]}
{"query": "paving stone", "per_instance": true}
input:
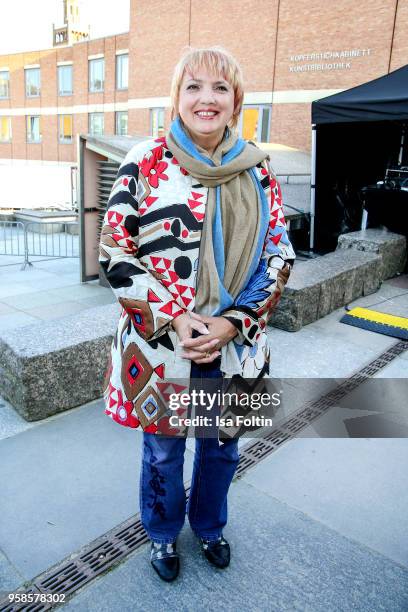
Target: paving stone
{"points": [[32, 300], [66, 482], [356, 486], [56, 311], [10, 579], [11, 423], [5, 308], [312, 352], [282, 560]]}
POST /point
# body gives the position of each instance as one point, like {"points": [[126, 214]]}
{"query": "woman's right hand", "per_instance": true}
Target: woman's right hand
{"points": [[184, 325]]}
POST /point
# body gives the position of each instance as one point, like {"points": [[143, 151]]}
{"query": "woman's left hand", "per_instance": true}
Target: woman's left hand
{"points": [[220, 329]]}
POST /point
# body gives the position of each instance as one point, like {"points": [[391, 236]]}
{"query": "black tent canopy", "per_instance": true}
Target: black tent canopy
{"points": [[383, 99], [356, 135]]}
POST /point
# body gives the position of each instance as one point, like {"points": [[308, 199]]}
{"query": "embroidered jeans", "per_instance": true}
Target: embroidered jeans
{"points": [[162, 494]]}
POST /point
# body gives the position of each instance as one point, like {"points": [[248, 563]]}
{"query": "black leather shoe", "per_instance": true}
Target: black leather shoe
{"points": [[218, 552], [165, 560]]}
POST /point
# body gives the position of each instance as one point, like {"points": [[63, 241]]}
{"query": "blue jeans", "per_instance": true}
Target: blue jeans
{"points": [[162, 494]]}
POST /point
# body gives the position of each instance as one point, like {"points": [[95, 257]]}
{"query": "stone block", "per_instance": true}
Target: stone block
{"points": [[390, 246], [318, 286], [56, 365]]}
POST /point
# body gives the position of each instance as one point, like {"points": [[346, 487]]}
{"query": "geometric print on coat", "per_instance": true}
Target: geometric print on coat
{"points": [[258, 288], [119, 410], [165, 429], [140, 314], [124, 330], [255, 359], [168, 388], [166, 267], [121, 232], [277, 234], [136, 371], [151, 172], [124, 188], [145, 198], [173, 226], [160, 322], [281, 280], [151, 234], [259, 354], [245, 322], [106, 238], [197, 207], [149, 407]]}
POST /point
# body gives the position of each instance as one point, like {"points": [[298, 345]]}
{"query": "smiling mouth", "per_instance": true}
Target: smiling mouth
{"points": [[206, 114]]}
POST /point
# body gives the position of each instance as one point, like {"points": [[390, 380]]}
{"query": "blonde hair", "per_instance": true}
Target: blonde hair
{"points": [[217, 61]]}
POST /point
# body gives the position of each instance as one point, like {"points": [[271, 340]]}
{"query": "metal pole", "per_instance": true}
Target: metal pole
{"points": [[72, 188], [11, 239], [401, 152], [26, 260], [313, 188]]}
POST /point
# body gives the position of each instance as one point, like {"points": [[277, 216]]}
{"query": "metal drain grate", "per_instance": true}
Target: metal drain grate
{"points": [[34, 607], [95, 559], [108, 550], [254, 452]]}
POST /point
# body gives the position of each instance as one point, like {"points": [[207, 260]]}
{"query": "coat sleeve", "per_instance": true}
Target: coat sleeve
{"points": [[139, 291], [255, 304]]}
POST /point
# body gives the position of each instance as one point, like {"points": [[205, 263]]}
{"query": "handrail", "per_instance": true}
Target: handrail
{"points": [[38, 239]]}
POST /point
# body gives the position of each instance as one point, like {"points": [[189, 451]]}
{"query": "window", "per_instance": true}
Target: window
{"points": [[96, 74], [122, 71], [96, 124], [4, 84], [254, 123], [33, 129], [64, 80], [61, 37], [5, 129], [157, 122], [65, 129], [121, 123], [32, 81]]}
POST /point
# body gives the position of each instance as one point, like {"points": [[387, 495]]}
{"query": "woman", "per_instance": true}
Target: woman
{"points": [[195, 248]]}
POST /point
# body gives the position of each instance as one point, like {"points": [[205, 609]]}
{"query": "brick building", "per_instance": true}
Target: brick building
{"points": [[291, 51]]}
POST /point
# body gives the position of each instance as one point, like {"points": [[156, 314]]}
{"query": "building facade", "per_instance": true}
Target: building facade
{"points": [[291, 51]]}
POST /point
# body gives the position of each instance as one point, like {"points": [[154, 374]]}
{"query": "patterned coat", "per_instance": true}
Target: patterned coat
{"points": [[149, 251]]}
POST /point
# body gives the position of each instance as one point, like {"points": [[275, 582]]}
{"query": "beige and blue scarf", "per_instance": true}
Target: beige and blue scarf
{"points": [[235, 223]]}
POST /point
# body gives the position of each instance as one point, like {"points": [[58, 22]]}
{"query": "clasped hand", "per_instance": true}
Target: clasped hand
{"points": [[214, 332]]}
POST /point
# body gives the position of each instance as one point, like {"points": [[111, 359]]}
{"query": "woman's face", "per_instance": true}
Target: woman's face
{"points": [[206, 104]]}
